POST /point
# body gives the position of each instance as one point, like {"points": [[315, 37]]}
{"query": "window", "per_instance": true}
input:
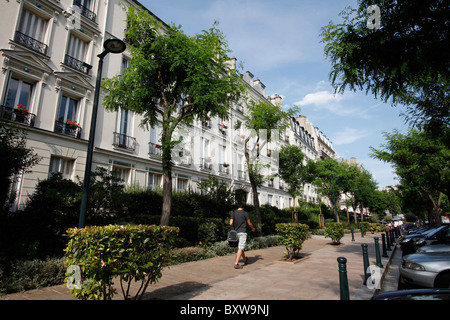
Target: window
{"points": [[182, 184], [67, 109], [125, 64], [61, 165], [18, 92], [87, 8], [76, 54], [31, 31], [122, 173], [205, 160], [154, 180], [77, 48], [155, 140], [121, 137], [66, 118]]}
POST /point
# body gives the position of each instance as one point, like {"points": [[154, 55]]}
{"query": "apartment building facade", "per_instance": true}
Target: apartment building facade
{"points": [[49, 60]]}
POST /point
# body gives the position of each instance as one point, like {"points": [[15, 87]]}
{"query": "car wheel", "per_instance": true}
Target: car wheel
{"points": [[443, 280]]}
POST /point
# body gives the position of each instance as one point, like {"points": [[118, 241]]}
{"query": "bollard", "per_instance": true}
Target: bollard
{"points": [[353, 235], [377, 252], [392, 238], [388, 241], [343, 281], [383, 242], [366, 262], [362, 232]]}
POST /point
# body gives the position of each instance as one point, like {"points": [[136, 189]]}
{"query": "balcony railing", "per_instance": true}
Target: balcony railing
{"points": [[85, 11], [154, 150], [11, 114], [223, 168], [205, 164], [30, 43], [77, 64], [123, 141], [65, 129], [241, 175]]}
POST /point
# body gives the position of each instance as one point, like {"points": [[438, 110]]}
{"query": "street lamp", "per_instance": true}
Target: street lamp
{"points": [[110, 46]]}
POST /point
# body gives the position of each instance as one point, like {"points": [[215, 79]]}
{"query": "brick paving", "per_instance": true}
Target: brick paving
{"points": [[266, 277]]}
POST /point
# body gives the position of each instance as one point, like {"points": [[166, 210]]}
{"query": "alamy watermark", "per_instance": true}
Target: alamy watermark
{"points": [[374, 20], [374, 280]]}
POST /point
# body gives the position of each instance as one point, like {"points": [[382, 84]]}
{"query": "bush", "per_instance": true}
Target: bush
{"points": [[292, 235], [375, 227], [130, 252], [335, 231], [32, 274], [208, 233]]}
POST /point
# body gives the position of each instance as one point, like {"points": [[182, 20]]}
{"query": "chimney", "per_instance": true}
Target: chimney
{"points": [[276, 101]]}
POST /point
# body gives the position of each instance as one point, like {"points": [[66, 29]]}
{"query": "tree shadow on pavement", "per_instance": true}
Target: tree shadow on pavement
{"points": [[188, 289]]}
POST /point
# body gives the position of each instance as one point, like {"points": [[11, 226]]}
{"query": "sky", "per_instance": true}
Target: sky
{"points": [[278, 41]]}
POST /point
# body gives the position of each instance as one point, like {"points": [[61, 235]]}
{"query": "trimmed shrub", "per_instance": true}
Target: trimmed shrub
{"points": [[292, 235], [376, 227], [133, 253], [335, 231]]}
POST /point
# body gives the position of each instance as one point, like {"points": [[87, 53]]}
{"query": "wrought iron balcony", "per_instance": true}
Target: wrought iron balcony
{"points": [[124, 142], [12, 114], [77, 64], [223, 168], [205, 164], [85, 11], [30, 43], [154, 150], [68, 130]]}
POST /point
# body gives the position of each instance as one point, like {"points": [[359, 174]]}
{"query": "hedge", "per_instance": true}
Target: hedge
{"points": [[100, 254]]}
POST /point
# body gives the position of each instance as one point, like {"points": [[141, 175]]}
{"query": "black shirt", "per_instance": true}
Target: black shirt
{"points": [[240, 218]]}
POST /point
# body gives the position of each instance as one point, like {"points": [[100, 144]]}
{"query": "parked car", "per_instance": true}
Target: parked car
{"points": [[415, 294], [421, 229], [410, 243], [440, 247], [425, 270]]}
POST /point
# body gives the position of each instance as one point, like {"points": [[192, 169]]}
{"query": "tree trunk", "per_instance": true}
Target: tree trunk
{"points": [[167, 198], [436, 210], [361, 207], [256, 205], [167, 175]]}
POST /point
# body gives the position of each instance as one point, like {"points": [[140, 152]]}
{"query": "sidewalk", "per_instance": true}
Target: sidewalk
{"points": [[314, 277]]}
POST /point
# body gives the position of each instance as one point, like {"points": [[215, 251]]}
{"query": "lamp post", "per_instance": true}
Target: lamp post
{"points": [[113, 46]]}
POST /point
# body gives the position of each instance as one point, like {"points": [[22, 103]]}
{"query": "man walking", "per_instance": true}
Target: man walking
{"points": [[239, 221]]}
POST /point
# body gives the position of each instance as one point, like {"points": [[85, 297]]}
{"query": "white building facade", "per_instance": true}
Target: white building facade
{"points": [[49, 60]]}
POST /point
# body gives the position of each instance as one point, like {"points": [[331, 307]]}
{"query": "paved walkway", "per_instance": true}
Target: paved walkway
{"points": [[314, 277]]}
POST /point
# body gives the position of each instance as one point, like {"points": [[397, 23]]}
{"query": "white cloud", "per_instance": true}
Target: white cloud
{"points": [[320, 98], [349, 136]]}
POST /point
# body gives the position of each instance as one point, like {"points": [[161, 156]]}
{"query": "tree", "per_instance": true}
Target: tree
{"points": [[15, 157], [422, 163], [363, 188], [173, 78], [291, 170], [264, 121], [329, 177], [405, 61]]}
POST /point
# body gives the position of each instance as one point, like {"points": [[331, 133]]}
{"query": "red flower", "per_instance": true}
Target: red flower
{"points": [[22, 109]]}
